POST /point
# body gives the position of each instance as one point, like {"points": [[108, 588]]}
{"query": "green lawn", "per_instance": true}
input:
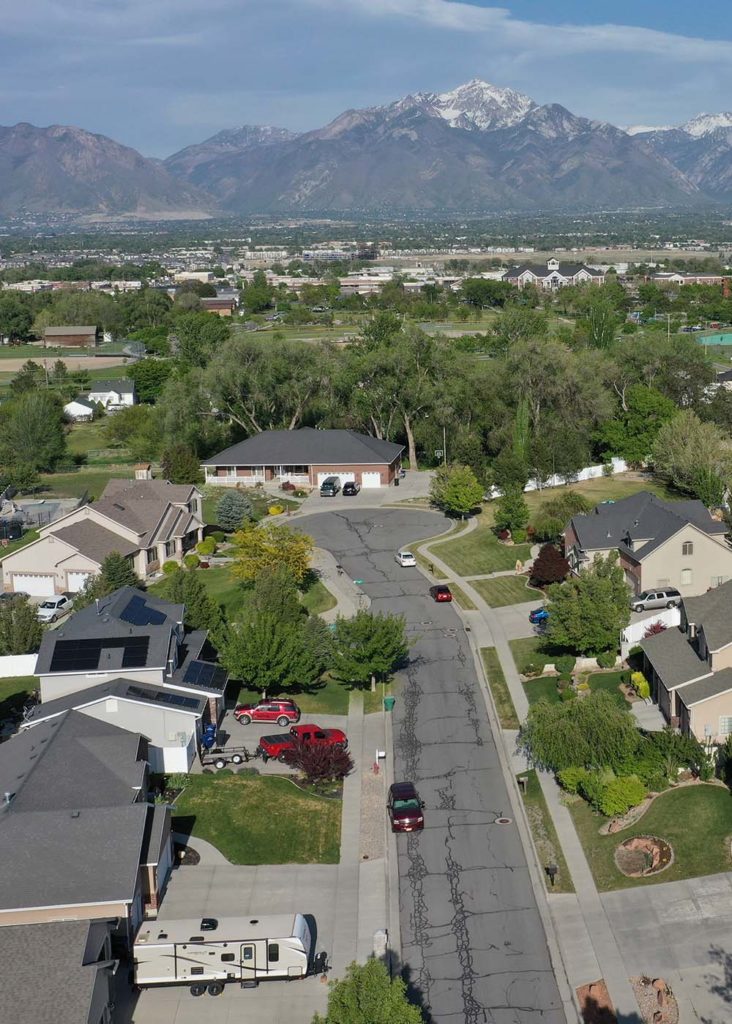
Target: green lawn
{"points": [[545, 836], [499, 689], [261, 500], [480, 551], [545, 687], [221, 585], [76, 483], [260, 820], [695, 820], [505, 590], [328, 697], [462, 598], [373, 702], [28, 537], [14, 693], [317, 598], [529, 650]]}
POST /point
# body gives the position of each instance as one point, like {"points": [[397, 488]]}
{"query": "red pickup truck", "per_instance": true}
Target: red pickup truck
{"points": [[279, 746]]}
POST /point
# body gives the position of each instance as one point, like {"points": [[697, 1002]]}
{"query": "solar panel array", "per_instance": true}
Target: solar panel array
{"points": [[138, 613], [203, 673], [162, 697], [86, 655]]}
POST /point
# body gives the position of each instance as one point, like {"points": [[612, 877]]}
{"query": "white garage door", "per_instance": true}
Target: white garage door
{"points": [[76, 581], [371, 479], [36, 586], [342, 475]]}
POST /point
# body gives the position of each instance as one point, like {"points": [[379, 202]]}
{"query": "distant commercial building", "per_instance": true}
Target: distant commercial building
{"points": [[72, 337], [553, 276]]}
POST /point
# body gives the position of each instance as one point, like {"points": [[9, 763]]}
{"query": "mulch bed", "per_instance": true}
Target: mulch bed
{"points": [[646, 992], [186, 856]]}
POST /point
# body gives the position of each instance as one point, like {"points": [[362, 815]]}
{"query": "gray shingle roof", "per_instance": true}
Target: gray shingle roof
{"points": [[68, 857], [713, 686], [95, 541], [72, 761], [145, 693], [122, 385], [673, 658], [541, 270], [713, 613], [81, 400], [305, 447], [641, 517], [146, 506], [62, 332], [50, 980]]}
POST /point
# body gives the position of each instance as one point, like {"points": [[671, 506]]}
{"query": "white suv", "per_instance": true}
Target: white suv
{"points": [[666, 597], [54, 607], [405, 558]]}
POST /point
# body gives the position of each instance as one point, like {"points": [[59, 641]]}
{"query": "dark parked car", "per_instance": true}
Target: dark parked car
{"points": [[538, 615], [330, 487], [405, 808], [350, 488], [284, 712], [441, 592]]}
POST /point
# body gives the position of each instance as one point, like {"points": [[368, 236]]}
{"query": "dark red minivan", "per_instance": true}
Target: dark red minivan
{"points": [[405, 808]]}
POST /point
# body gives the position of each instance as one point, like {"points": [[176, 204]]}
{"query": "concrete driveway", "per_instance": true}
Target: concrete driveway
{"points": [[231, 891], [515, 619], [473, 941]]}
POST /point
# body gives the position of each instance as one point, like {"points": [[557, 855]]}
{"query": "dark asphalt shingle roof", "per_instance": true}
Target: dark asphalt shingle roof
{"points": [[67, 857], [80, 400], [541, 270], [71, 761], [674, 658], [145, 693], [95, 541], [305, 447], [62, 332], [704, 689], [122, 385], [49, 982], [713, 613], [641, 517]]}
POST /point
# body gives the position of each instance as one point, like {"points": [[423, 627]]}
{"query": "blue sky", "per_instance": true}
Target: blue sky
{"points": [[160, 74]]}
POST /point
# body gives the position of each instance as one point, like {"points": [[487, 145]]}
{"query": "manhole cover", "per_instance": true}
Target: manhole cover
{"points": [[503, 821]]}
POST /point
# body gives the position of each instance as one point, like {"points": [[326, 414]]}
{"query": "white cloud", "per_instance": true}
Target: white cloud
{"points": [[499, 26]]}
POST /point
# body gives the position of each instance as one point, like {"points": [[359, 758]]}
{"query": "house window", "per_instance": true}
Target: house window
{"points": [[687, 548], [151, 555], [687, 577], [725, 725], [717, 581]]}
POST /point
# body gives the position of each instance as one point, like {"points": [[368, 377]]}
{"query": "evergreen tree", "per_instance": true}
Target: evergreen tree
{"points": [[233, 510], [180, 465], [512, 512], [20, 630], [116, 572]]}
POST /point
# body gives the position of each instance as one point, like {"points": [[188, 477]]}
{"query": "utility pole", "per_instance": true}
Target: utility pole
{"points": [[444, 445], [668, 326]]}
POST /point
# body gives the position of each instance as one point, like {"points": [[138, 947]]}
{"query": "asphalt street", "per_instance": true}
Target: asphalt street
{"points": [[473, 943]]}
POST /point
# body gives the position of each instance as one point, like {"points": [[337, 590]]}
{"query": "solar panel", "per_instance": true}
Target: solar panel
{"points": [[85, 655], [203, 673], [138, 613], [162, 697]]}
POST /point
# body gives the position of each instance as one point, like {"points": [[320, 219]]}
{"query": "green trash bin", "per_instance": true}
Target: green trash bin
{"points": [[389, 703]]}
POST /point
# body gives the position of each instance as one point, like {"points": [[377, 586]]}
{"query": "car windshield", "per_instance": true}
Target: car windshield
{"points": [[407, 805], [48, 604]]}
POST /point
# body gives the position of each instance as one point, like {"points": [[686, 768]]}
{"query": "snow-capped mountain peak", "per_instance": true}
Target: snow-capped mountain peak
{"points": [[480, 105], [705, 124], [646, 129]]}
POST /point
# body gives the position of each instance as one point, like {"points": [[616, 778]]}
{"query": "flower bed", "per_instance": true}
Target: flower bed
{"points": [[640, 856]]}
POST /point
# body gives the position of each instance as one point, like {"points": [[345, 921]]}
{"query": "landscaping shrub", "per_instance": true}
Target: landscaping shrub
{"points": [[584, 686], [635, 651], [572, 778], [569, 693], [276, 510], [724, 760], [592, 786], [565, 679], [564, 663], [300, 493], [207, 546], [320, 763], [620, 795], [519, 536], [550, 566], [607, 659], [287, 486], [640, 684], [218, 535], [169, 567], [530, 669], [191, 561]]}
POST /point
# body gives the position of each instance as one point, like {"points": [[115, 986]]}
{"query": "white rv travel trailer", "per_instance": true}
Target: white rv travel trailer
{"points": [[207, 953]]}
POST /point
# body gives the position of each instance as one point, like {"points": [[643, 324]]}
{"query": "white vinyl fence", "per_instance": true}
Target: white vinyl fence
{"points": [[635, 632], [18, 665], [588, 473]]}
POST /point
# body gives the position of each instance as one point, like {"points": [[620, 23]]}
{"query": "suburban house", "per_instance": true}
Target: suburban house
{"points": [[72, 337], [79, 409], [129, 660], [689, 667], [78, 839], [306, 457], [148, 521], [113, 394], [62, 970], [661, 543], [554, 275], [221, 306]]}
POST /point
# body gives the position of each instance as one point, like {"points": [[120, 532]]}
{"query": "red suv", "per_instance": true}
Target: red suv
{"points": [[441, 592], [405, 808], [284, 712]]}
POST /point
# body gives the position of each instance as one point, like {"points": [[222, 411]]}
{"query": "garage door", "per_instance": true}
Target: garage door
{"points": [[76, 581], [36, 586], [342, 475], [371, 479]]}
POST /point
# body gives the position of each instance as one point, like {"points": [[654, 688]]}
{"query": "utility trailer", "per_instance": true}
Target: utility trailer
{"points": [[208, 953], [219, 757]]}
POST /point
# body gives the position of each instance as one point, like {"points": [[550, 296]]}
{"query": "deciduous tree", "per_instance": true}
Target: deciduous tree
{"points": [[20, 630], [550, 566], [689, 453], [587, 613], [455, 490], [180, 465], [263, 549], [368, 995], [369, 647]]}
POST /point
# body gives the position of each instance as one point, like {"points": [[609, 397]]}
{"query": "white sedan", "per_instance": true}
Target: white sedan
{"points": [[405, 558]]}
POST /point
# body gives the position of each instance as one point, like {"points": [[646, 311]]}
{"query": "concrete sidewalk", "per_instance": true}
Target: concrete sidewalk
{"points": [[349, 596], [584, 934]]}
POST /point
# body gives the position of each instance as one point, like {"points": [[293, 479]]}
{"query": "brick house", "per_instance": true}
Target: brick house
{"points": [[306, 457]]}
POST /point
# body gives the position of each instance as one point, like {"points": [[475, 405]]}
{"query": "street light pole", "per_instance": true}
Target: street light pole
{"points": [[444, 445]]}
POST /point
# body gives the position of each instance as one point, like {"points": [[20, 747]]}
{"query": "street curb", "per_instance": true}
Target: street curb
{"points": [[392, 857]]}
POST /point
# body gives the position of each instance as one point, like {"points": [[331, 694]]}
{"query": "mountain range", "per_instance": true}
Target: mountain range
{"points": [[476, 148]]}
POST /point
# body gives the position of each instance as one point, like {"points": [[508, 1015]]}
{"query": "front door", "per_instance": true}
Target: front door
{"points": [[248, 962]]}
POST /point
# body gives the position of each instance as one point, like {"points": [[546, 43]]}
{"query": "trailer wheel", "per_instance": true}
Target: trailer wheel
{"points": [[197, 990], [219, 763], [215, 988], [237, 759]]}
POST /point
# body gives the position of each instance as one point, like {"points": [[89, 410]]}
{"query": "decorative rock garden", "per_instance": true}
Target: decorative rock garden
{"points": [[643, 855]]}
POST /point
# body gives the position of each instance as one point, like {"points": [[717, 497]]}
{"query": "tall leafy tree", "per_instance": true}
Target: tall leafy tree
{"points": [[587, 613], [691, 454], [266, 549], [20, 630], [233, 509], [32, 431], [150, 376], [200, 336], [369, 647], [632, 433], [368, 995], [116, 571], [455, 489], [266, 652], [185, 586], [16, 318], [180, 464]]}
